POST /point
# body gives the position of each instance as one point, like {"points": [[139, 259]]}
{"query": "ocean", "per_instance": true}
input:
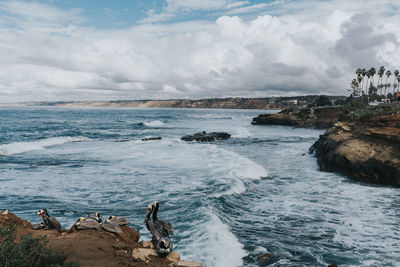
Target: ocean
{"points": [[230, 201]]}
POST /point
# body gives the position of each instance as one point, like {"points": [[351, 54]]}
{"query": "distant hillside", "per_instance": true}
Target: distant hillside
{"points": [[229, 103]]}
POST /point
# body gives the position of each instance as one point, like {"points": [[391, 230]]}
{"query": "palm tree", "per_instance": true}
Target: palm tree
{"points": [[372, 72], [396, 75], [363, 73], [380, 74], [388, 73]]}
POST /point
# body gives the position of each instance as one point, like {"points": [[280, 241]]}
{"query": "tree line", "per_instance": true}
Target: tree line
{"points": [[364, 84]]}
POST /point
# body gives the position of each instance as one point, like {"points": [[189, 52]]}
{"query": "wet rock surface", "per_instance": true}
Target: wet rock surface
{"points": [[206, 137]]}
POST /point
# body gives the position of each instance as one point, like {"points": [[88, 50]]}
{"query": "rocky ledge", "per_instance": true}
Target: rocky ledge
{"points": [[320, 118], [365, 150], [96, 247]]}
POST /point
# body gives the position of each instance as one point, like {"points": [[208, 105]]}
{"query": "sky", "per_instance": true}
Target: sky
{"points": [[65, 50]]}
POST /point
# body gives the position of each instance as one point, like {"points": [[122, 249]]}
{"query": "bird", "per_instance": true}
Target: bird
{"points": [[49, 221], [95, 216], [118, 220], [84, 223], [111, 227], [151, 226], [163, 226], [159, 229]]}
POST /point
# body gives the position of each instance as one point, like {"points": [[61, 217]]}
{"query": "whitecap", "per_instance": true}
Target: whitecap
{"points": [[21, 147], [155, 123], [214, 244]]}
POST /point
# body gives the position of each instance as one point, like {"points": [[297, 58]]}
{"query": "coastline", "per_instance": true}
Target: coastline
{"points": [[363, 147]]}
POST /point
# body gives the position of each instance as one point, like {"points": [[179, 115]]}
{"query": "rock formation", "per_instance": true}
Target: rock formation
{"points": [[309, 118], [366, 150], [206, 137], [96, 247]]}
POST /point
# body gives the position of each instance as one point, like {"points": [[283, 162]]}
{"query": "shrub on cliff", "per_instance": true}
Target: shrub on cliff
{"points": [[29, 251]]}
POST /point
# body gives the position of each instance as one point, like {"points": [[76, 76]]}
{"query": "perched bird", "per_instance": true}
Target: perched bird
{"points": [[159, 229], [118, 220], [49, 221], [111, 227], [86, 223], [95, 216], [163, 226], [150, 225]]}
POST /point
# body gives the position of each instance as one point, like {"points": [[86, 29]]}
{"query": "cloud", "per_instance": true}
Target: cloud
{"points": [[175, 8], [40, 12], [303, 50]]}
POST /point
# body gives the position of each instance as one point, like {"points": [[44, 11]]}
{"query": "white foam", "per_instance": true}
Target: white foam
{"points": [[155, 123], [21, 147], [214, 244]]}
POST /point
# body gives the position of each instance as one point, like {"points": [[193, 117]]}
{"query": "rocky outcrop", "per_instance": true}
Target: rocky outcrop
{"points": [[206, 137], [96, 247], [367, 150], [321, 118]]}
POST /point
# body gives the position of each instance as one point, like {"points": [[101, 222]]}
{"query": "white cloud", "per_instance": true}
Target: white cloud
{"points": [[305, 50]]}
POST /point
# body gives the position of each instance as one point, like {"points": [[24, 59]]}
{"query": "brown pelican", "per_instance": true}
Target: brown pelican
{"points": [[49, 221], [86, 223], [163, 226], [96, 216], [160, 239], [111, 227], [118, 220]]}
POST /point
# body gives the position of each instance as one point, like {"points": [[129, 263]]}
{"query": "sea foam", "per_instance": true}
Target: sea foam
{"points": [[21, 147], [215, 244]]}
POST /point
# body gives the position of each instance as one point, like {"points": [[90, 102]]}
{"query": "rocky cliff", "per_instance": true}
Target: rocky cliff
{"points": [[366, 150], [93, 247], [320, 118]]}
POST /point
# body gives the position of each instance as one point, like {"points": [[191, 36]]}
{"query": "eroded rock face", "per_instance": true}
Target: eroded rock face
{"points": [[206, 137], [368, 151]]}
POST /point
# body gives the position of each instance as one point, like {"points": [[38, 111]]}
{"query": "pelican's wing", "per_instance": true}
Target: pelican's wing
{"points": [[167, 226], [152, 229]]}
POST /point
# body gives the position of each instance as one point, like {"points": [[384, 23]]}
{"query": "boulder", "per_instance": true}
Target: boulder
{"points": [[206, 137]]}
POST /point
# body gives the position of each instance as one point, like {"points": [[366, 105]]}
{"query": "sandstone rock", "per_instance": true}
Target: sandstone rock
{"points": [[143, 254], [365, 152], [147, 244], [188, 264]]}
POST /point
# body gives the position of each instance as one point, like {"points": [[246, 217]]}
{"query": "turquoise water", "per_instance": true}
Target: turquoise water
{"points": [[230, 201]]}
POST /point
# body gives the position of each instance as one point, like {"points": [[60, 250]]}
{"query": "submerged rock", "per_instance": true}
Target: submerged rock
{"points": [[266, 259], [206, 137], [151, 138]]}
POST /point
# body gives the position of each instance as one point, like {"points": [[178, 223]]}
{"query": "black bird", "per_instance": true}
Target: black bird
{"points": [[49, 221]]}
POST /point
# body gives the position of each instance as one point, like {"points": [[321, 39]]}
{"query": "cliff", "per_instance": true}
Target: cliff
{"points": [[320, 118], [366, 150], [93, 247], [222, 103]]}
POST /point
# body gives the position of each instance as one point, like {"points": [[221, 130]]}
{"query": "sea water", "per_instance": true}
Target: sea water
{"points": [[230, 201]]}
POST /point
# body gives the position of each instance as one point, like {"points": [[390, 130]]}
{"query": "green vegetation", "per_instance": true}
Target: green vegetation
{"points": [[356, 110], [29, 251]]}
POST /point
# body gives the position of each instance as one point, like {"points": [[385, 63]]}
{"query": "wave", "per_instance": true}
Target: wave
{"points": [[155, 123], [21, 147], [214, 244]]}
